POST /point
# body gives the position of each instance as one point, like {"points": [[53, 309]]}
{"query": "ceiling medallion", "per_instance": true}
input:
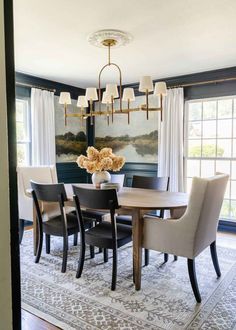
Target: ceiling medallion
{"points": [[100, 37]]}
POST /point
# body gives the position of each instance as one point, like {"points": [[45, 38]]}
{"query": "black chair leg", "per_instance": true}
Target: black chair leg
{"points": [[65, 252], [146, 257], [105, 255], [75, 239], [39, 244], [81, 260], [100, 250], [166, 257], [21, 230], [175, 258], [193, 279], [92, 253], [114, 270], [47, 239], [215, 258]]}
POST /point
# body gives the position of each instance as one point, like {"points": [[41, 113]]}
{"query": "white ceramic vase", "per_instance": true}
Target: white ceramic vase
{"points": [[99, 177]]}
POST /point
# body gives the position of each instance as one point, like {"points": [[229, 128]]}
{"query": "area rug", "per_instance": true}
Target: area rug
{"points": [[165, 301]]}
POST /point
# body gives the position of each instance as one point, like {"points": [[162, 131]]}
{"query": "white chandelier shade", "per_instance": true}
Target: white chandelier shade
{"points": [[160, 89], [82, 102], [146, 84], [128, 94], [112, 91], [91, 94], [64, 98]]}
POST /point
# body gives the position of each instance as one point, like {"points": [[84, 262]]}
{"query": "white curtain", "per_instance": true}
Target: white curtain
{"points": [[170, 146], [43, 127]]}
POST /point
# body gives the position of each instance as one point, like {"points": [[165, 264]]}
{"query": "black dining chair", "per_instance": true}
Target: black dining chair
{"points": [[99, 215], [145, 182], [59, 223], [105, 235]]}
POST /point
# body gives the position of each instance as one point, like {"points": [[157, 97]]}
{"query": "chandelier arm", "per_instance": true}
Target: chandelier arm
{"points": [[99, 84]]}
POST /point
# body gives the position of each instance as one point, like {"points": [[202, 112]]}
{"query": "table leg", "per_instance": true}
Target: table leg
{"points": [[137, 246]]}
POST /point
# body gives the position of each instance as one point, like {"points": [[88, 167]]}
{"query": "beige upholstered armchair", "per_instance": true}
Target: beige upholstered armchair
{"points": [[42, 174], [195, 230]]}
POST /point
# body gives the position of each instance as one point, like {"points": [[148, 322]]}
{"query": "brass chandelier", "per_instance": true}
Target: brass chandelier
{"points": [[108, 39]]}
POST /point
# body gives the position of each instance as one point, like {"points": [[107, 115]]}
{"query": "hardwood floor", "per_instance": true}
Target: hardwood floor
{"points": [[32, 322]]}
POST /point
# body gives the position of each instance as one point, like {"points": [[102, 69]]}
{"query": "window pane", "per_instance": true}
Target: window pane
{"points": [[224, 148], [207, 168], [194, 129], [227, 190], [223, 166], [233, 189], [234, 128], [233, 209], [19, 111], [193, 168], [225, 108], [224, 128], [194, 148], [233, 171], [195, 111], [225, 209], [20, 131], [209, 110], [234, 147], [234, 108], [208, 148], [22, 154], [209, 129]]}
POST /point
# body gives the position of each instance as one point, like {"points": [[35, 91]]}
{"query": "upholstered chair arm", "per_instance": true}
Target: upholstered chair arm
{"points": [[167, 235]]}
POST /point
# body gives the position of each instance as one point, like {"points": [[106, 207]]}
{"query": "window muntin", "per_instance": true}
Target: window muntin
{"points": [[210, 144]]}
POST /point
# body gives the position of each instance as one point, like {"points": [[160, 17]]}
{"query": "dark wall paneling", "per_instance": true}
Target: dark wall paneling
{"points": [[59, 87], [69, 172]]}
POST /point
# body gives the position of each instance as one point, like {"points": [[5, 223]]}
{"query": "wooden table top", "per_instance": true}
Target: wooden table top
{"points": [[145, 199]]}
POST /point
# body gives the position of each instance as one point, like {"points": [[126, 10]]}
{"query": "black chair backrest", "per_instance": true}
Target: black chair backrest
{"points": [[49, 192], [97, 199], [145, 182]]}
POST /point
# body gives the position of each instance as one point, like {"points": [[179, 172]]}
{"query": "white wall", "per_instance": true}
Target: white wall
{"points": [[5, 271]]}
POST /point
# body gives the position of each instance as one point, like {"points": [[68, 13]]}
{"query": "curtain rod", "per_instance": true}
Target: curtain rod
{"points": [[35, 86], [204, 82]]}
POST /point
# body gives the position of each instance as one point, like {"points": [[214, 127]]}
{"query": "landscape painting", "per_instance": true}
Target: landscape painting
{"points": [[70, 139], [137, 141]]}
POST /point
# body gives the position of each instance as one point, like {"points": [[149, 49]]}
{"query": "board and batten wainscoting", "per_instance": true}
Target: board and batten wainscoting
{"points": [[69, 172]]}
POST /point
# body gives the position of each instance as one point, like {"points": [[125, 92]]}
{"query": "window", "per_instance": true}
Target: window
{"points": [[23, 132], [210, 144]]}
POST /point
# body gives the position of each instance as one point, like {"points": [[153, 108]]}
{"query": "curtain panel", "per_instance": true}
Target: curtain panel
{"points": [[170, 153], [43, 127]]}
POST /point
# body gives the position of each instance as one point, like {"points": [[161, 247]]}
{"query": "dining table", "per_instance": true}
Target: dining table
{"points": [[136, 202]]}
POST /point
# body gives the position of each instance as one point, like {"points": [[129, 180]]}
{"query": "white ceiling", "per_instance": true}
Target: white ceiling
{"points": [[171, 37]]}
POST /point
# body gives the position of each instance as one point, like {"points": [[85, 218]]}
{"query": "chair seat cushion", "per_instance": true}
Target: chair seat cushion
{"points": [[54, 225], [101, 235]]}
